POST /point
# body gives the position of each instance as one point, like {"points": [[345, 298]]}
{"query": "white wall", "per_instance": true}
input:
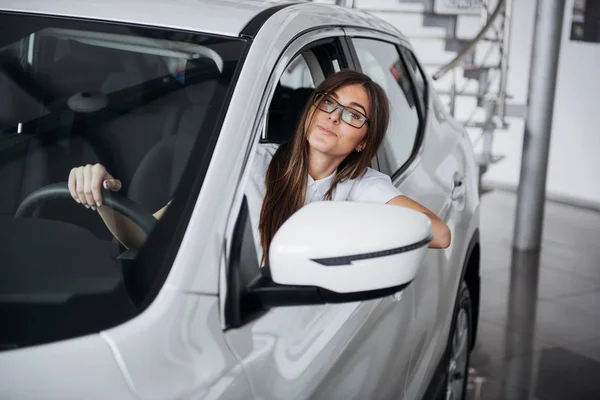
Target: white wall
{"points": [[574, 161]]}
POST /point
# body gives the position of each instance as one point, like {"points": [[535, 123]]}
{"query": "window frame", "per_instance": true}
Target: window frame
{"points": [[320, 70], [230, 294], [415, 156], [424, 93]]}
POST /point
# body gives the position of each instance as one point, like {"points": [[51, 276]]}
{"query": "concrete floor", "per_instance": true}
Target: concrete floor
{"points": [[539, 331]]}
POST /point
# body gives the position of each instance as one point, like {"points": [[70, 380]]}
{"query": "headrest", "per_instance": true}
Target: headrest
{"points": [[283, 116], [87, 102]]}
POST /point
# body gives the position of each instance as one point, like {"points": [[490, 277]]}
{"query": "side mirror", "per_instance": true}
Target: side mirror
{"points": [[348, 247], [327, 252]]}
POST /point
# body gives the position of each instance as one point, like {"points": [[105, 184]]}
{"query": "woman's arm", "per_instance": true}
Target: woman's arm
{"points": [[441, 232], [85, 185], [125, 230]]}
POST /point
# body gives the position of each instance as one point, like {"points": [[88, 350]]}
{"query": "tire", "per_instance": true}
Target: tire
{"points": [[459, 346]]}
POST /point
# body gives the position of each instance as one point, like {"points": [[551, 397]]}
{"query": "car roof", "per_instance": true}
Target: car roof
{"points": [[220, 17], [224, 17]]}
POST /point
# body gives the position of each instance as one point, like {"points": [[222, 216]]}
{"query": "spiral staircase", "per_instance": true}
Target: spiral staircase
{"points": [[464, 47]]}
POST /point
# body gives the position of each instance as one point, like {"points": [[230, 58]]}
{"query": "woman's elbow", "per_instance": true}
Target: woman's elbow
{"points": [[441, 238]]}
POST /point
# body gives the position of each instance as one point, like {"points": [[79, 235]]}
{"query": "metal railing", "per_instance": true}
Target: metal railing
{"points": [[486, 75], [471, 45]]}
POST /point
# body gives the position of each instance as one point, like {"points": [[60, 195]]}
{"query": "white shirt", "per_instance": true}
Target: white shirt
{"points": [[372, 187]]}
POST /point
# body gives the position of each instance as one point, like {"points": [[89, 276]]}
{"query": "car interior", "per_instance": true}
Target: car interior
{"points": [[69, 99], [294, 88]]}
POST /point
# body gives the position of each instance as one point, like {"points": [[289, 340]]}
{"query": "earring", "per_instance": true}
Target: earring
{"points": [[359, 149]]}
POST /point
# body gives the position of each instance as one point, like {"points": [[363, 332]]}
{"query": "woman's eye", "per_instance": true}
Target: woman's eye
{"points": [[328, 102]]}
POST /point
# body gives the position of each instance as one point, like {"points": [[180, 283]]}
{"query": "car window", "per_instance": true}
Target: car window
{"points": [[137, 100], [381, 61], [314, 62], [304, 72]]}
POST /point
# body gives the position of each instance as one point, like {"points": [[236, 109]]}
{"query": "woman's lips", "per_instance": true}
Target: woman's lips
{"points": [[325, 131]]}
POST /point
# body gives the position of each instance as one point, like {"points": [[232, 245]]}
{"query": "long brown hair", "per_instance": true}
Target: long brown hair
{"points": [[287, 174]]}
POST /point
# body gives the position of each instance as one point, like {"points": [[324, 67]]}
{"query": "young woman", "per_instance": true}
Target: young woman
{"points": [[341, 127]]}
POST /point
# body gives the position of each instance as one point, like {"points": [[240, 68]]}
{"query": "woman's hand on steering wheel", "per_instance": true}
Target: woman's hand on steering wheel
{"points": [[86, 182]]}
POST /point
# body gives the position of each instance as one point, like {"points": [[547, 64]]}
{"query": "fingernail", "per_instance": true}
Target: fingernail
{"points": [[93, 208], [105, 184], [77, 200], [98, 204], [86, 206]]}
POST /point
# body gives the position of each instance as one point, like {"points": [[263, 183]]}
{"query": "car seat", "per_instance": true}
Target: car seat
{"points": [[154, 182], [286, 108]]}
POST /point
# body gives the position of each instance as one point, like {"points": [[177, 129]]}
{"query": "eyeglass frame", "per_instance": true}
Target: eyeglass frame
{"points": [[339, 106]]}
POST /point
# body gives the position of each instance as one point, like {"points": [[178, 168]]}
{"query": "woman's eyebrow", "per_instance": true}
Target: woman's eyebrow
{"points": [[358, 105], [353, 103]]}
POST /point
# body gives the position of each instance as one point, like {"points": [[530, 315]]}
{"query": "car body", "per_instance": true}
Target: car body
{"points": [[191, 327]]}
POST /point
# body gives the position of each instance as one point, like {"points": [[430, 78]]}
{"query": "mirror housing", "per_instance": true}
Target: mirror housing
{"points": [[350, 247], [327, 252]]}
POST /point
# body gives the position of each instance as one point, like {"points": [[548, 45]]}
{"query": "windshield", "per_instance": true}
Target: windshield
{"points": [[138, 101]]}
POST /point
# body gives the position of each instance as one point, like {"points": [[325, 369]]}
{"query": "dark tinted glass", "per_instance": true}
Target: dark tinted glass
{"points": [[139, 101], [382, 62]]}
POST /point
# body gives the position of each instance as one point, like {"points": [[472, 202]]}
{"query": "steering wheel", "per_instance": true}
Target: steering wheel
{"points": [[114, 200]]}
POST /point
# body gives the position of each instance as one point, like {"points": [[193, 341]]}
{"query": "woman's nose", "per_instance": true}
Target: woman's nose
{"points": [[335, 115]]}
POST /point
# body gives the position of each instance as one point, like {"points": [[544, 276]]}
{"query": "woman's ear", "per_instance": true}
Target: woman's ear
{"points": [[361, 146]]}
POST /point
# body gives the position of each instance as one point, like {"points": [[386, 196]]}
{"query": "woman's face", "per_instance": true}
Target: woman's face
{"points": [[331, 136]]}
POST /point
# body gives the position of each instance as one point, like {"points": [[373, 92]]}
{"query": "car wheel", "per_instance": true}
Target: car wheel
{"points": [[457, 366]]}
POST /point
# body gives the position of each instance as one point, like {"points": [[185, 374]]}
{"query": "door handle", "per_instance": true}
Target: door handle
{"points": [[458, 186]]}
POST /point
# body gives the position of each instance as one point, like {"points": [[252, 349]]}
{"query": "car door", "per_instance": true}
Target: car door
{"points": [[446, 158], [419, 171], [354, 350]]}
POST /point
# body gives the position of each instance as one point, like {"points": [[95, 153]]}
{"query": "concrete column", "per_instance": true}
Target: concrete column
{"points": [[521, 321], [534, 162]]}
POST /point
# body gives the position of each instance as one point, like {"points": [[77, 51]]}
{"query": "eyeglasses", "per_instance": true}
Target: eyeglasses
{"points": [[350, 116]]}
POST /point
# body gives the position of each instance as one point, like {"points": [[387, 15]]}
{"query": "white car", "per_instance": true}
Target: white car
{"points": [[174, 98]]}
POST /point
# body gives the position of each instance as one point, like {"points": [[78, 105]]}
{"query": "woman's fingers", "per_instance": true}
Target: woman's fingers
{"points": [[72, 185], [87, 186], [98, 175], [112, 184], [79, 186]]}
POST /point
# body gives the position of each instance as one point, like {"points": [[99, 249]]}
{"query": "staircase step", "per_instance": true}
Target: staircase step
{"points": [[449, 93], [416, 7], [484, 190], [458, 43], [468, 93], [485, 159], [433, 64], [447, 9], [464, 94], [476, 71], [401, 7], [481, 125], [412, 24], [513, 110], [447, 22]]}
